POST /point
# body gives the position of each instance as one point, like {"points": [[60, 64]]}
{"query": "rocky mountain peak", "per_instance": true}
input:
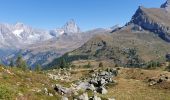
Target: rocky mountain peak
{"points": [[166, 5], [71, 27], [19, 24], [155, 20]]}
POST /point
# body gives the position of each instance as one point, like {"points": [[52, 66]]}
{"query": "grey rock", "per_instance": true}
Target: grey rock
{"points": [[95, 97], [50, 94], [83, 86], [45, 90], [144, 19], [103, 73], [64, 98], [62, 90], [166, 5], [91, 87], [102, 82], [84, 96], [111, 99], [102, 90]]}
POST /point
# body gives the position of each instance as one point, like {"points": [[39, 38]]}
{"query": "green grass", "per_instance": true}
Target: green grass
{"points": [[24, 82]]}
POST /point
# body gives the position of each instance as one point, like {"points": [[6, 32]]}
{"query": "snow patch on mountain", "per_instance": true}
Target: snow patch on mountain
{"points": [[18, 32]]}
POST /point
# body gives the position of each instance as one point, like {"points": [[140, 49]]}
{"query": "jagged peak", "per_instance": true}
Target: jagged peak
{"points": [[141, 8], [71, 21], [19, 24], [71, 27], [166, 5], [139, 11]]}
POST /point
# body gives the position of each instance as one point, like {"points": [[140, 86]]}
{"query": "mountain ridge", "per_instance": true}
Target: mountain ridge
{"points": [[146, 34], [43, 52]]}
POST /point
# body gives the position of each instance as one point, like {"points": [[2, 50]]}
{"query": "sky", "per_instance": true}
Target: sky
{"points": [[88, 14]]}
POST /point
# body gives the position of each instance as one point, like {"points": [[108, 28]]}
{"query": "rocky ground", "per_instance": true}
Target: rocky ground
{"points": [[85, 84]]}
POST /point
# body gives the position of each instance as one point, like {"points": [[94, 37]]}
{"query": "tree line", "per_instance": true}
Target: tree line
{"points": [[21, 64]]}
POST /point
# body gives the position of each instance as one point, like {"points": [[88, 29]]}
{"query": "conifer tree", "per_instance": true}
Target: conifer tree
{"points": [[38, 68], [20, 63]]}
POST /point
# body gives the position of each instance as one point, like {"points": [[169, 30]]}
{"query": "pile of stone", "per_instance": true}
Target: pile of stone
{"points": [[158, 80], [85, 96], [98, 81], [47, 92]]}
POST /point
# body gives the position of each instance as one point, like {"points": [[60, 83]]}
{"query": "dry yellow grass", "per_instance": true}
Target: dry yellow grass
{"points": [[132, 86]]}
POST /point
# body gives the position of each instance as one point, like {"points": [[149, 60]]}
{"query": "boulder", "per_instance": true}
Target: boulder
{"points": [[103, 73], [95, 97], [50, 94], [91, 87], [45, 90], [84, 96], [62, 90], [94, 81], [64, 98], [102, 90], [101, 82], [83, 86], [111, 99]]}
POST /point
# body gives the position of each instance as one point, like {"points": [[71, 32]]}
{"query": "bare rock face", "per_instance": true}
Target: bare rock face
{"points": [[155, 20], [166, 5], [69, 28]]}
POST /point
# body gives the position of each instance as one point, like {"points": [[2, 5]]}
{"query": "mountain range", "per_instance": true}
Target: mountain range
{"points": [[143, 39], [39, 46], [147, 34]]}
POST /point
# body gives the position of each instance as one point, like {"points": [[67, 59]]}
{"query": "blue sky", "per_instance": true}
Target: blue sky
{"points": [[89, 14]]}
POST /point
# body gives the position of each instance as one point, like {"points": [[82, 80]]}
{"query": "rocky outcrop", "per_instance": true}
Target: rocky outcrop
{"points": [[154, 20], [166, 5], [158, 80], [98, 81]]}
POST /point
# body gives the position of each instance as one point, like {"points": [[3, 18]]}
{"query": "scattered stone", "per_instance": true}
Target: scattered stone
{"points": [[50, 94], [45, 90], [84, 96], [95, 97], [91, 87], [158, 80], [102, 90], [64, 98], [111, 99], [95, 83], [98, 80], [61, 74], [83, 86]]}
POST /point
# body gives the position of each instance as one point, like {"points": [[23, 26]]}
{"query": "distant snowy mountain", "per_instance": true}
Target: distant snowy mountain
{"points": [[41, 46], [19, 35], [69, 28]]}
